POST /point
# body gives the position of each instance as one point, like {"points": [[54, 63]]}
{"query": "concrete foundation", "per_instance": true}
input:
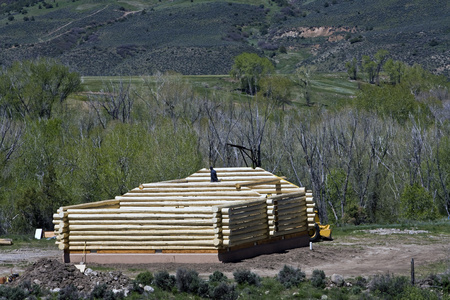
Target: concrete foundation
{"points": [[232, 254]]}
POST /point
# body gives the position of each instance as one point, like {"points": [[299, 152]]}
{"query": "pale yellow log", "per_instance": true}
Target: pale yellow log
{"points": [[63, 246], [140, 247], [290, 211], [197, 189], [257, 182], [271, 201], [169, 199], [217, 242], [204, 242], [174, 204], [151, 231], [91, 204], [129, 227], [159, 210], [257, 201], [188, 222], [244, 218], [244, 230], [309, 205], [290, 195], [138, 216], [143, 238], [310, 220], [244, 211], [236, 242], [245, 193], [244, 223], [284, 232]]}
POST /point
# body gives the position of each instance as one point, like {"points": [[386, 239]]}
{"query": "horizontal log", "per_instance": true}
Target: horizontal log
{"points": [[204, 242], [146, 231], [228, 221], [236, 242], [91, 204], [142, 238], [114, 222], [260, 200], [158, 210], [138, 216], [187, 189], [243, 223], [290, 195], [238, 212], [244, 230], [258, 182], [125, 227], [140, 247], [270, 201], [203, 193], [175, 204], [284, 232]]}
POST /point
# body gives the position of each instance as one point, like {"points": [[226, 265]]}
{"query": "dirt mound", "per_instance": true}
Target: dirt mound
{"points": [[54, 275]]}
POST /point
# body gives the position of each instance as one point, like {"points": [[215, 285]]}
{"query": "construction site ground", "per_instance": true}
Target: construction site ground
{"points": [[366, 253]]}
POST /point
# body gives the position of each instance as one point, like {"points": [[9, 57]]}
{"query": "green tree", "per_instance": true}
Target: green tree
{"points": [[277, 88], [249, 68], [30, 88], [416, 203], [370, 67], [380, 58], [352, 68], [395, 70]]}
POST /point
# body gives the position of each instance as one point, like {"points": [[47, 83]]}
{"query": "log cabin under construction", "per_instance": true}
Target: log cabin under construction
{"points": [[249, 212]]}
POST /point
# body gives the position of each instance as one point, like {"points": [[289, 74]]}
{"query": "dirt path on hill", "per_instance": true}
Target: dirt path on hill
{"points": [[370, 253]]}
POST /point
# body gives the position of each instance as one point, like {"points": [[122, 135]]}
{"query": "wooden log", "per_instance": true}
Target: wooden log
{"points": [[174, 204], [140, 247], [290, 195], [162, 231], [236, 242], [158, 210], [273, 202], [257, 182], [243, 212], [161, 198], [259, 201], [204, 242], [138, 216], [178, 190], [233, 222], [236, 226], [6, 242], [245, 193], [284, 232], [244, 230], [135, 227], [182, 222], [142, 238], [91, 204]]}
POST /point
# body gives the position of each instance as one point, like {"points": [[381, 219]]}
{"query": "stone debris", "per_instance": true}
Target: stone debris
{"points": [[55, 276]]}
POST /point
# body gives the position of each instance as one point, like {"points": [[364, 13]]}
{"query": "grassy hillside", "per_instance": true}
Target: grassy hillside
{"points": [[202, 37]]}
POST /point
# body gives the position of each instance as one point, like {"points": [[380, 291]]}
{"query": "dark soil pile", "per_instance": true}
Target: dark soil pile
{"points": [[54, 275]]}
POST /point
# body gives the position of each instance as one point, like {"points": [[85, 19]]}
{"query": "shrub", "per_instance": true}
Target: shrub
{"points": [[388, 285], [245, 276], [187, 281], [224, 291], [144, 278], [164, 281], [318, 279], [290, 276], [217, 276], [99, 291], [12, 293], [68, 293]]}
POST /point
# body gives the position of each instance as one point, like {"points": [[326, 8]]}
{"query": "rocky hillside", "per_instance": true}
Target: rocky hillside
{"points": [[202, 37]]}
